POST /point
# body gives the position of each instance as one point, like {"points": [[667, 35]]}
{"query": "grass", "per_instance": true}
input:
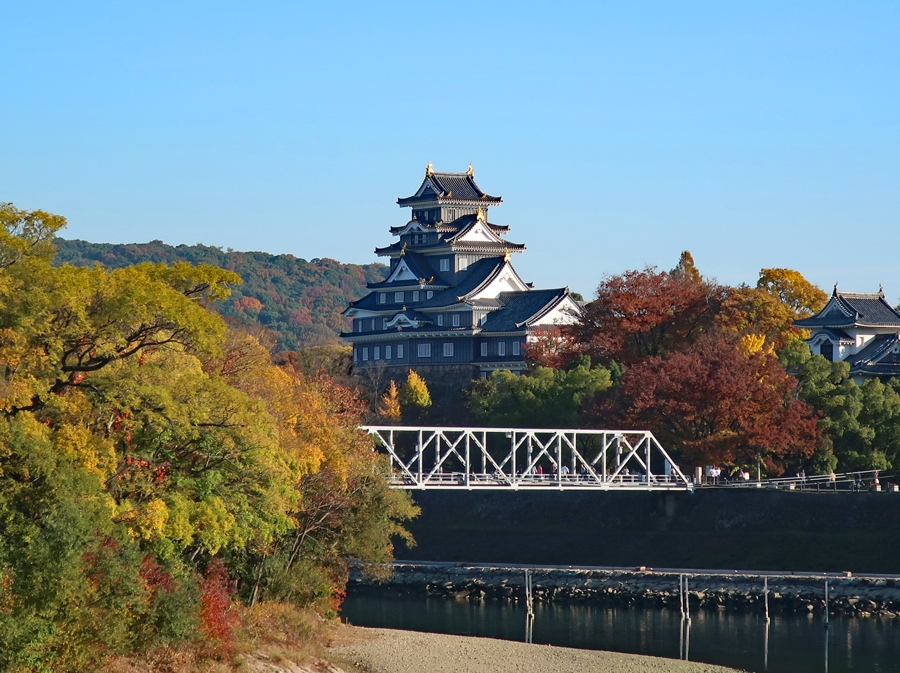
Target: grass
{"points": [[277, 633]]}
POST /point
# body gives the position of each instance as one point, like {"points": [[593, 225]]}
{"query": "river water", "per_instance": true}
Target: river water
{"points": [[790, 644]]}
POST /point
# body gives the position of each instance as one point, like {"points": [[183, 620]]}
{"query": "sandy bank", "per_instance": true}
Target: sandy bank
{"points": [[391, 651]]}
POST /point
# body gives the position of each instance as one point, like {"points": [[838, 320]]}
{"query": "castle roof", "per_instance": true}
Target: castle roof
{"points": [[456, 225], [449, 187], [854, 309], [880, 357], [520, 309], [417, 271]]}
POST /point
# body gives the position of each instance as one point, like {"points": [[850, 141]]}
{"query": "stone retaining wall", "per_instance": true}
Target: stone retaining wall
{"points": [[860, 596]]}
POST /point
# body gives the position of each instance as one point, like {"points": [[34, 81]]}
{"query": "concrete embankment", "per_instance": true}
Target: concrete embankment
{"points": [[711, 528], [803, 593]]}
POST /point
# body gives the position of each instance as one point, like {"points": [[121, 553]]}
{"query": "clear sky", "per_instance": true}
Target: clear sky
{"points": [[753, 134]]}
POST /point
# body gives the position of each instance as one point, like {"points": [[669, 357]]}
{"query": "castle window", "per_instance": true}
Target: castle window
{"points": [[376, 353], [373, 324], [384, 322], [448, 350], [429, 294], [440, 319], [415, 295], [399, 351], [382, 297], [456, 319], [387, 352], [827, 350], [424, 350], [355, 354], [365, 353], [516, 348], [501, 348], [398, 297], [463, 264], [359, 325], [445, 264], [484, 348]]}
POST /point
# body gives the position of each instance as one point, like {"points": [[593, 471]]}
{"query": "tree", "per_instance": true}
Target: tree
{"points": [[715, 403], [686, 269], [414, 393], [792, 290], [645, 313], [541, 398], [861, 422], [390, 404], [141, 443], [769, 310]]}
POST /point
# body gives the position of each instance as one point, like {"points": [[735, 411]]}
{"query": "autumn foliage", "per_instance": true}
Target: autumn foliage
{"points": [[694, 361], [715, 403], [158, 467]]}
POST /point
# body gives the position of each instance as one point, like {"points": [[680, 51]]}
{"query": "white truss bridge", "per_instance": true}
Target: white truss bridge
{"points": [[520, 458]]}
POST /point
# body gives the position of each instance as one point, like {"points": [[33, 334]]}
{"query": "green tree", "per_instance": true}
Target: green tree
{"points": [[541, 398]]}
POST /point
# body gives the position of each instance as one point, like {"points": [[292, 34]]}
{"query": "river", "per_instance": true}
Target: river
{"points": [[790, 644]]}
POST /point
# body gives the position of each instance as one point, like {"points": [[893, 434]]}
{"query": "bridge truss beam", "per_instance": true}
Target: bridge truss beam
{"points": [[518, 458]]}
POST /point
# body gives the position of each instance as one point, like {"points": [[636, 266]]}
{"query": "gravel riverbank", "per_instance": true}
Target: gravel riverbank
{"points": [[389, 651]]}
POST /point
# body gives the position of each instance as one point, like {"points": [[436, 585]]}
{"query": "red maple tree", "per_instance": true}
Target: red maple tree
{"points": [[715, 403]]}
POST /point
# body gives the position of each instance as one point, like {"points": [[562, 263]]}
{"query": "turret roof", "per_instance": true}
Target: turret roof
{"points": [[854, 309]]}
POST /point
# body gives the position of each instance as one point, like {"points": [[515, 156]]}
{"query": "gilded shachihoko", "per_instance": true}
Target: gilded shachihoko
{"points": [[452, 297]]}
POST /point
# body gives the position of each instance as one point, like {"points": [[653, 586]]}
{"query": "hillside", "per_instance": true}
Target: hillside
{"points": [[299, 301]]}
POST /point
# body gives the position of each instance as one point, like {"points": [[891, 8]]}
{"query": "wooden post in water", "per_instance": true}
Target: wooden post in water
{"points": [[826, 611], [681, 593], [687, 600], [529, 598], [766, 596]]}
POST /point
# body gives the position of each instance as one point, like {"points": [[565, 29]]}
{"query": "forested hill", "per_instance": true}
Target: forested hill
{"points": [[299, 301]]}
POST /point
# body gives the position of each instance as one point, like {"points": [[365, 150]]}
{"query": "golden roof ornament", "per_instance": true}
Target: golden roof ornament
{"points": [[507, 256], [403, 249], [470, 171], [480, 217], [429, 169]]}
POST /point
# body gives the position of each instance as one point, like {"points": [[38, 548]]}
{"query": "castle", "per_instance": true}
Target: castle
{"points": [[452, 297], [859, 328]]}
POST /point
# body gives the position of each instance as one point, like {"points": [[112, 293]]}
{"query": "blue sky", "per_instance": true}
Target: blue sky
{"points": [[753, 134]]}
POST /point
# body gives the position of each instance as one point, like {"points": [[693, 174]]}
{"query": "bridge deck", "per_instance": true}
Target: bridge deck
{"points": [[522, 458]]}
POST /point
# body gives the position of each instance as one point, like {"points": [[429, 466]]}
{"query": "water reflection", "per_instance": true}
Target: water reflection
{"points": [[786, 644]]}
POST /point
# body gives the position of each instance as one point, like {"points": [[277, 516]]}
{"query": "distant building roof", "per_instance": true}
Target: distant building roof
{"points": [[853, 309]]}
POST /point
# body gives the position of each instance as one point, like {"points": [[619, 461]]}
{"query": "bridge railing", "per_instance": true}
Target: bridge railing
{"points": [[527, 458]]}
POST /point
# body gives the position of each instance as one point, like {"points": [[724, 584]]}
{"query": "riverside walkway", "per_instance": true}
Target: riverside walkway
{"points": [[424, 457]]}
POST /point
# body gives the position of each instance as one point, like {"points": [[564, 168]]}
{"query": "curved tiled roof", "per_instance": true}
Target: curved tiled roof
{"points": [[847, 309], [877, 358], [520, 308], [418, 265], [451, 187]]}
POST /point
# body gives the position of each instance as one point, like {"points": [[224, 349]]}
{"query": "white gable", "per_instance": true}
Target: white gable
{"points": [[565, 312], [506, 281], [402, 320], [479, 233], [402, 272], [411, 226]]}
